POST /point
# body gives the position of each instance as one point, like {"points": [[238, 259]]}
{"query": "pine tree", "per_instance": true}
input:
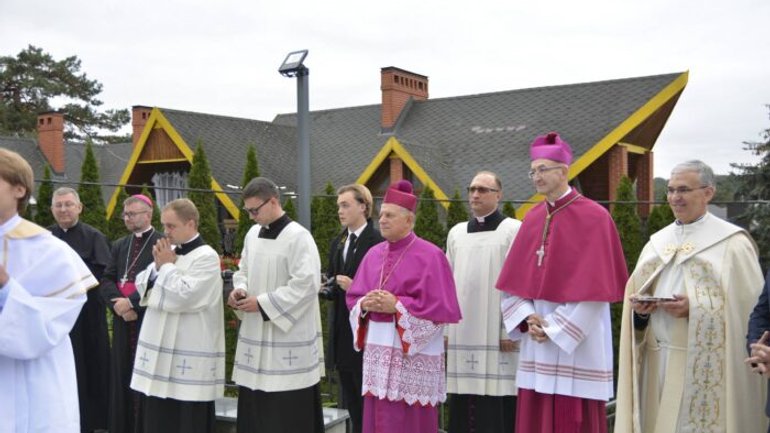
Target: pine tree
{"points": [[427, 224], [90, 192], [509, 210], [250, 171], [660, 216], [290, 208], [754, 184], [43, 215], [199, 178], [116, 226], [325, 223], [456, 212]]}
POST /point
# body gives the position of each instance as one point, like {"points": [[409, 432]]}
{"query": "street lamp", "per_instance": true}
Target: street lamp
{"points": [[293, 66]]}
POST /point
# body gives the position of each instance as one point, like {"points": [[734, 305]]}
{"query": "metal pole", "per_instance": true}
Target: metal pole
{"points": [[303, 149]]}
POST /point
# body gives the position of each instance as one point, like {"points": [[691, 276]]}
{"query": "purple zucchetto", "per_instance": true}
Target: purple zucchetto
{"points": [[401, 194], [551, 146]]}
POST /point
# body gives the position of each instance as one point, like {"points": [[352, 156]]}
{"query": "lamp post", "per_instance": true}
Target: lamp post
{"points": [[292, 67]]}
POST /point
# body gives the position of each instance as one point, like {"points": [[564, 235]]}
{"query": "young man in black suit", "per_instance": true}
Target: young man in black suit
{"points": [[354, 204]]}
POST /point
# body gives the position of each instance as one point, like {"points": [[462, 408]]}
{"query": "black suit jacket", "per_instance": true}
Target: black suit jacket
{"points": [[340, 349], [759, 322]]}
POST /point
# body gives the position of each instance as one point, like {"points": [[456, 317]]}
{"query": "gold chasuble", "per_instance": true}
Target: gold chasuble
{"points": [[690, 376]]}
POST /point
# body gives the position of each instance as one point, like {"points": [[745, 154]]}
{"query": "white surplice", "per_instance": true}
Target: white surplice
{"points": [[475, 364], [286, 352], [38, 307], [576, 360], [181, 348]]}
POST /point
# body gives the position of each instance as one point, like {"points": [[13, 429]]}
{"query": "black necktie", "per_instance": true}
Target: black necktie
{"points": [[351, 248]]}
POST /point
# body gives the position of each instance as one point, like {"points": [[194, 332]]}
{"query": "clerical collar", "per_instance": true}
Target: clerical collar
{"points": [[272, 230], [141, 234], [486, 223], [190, 245], [401, 243], [68, 228], [567, 196], [700, 218]]}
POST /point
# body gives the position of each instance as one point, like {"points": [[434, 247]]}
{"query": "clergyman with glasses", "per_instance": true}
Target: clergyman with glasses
{"points": [[130, 255], [564, 269], [683, 337], [481, 359], [90, 341], [279, 357]]}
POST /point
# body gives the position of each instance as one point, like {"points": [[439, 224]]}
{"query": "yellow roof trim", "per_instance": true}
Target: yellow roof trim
{"points": [[158, 121], [395, 147], [633, 148], [617, 134]]}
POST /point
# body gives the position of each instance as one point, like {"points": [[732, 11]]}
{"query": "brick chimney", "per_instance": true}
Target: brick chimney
{"points": [[50, 138], [397, 87], [139, 116]]}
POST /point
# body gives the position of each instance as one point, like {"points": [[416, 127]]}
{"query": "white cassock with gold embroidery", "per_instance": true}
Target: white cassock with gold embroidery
{"points": [[38, 307], [688, 374]]}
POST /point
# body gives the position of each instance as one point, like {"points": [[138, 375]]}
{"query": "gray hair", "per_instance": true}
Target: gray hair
{"points": [[262, 188], [64, 190], [705, 173]]}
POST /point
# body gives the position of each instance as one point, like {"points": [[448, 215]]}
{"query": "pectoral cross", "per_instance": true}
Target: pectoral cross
{"points": [[540, 253], [123, 280]]}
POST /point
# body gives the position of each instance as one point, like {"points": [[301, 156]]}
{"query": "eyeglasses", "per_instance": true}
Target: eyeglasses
{"points": [[253, 211], [541, 169], [682, 190], [481, 189], [132, 214]]}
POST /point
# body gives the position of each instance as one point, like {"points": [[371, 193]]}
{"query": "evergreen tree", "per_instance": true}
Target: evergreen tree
{"points": [[90, 192], [33, 81], [456, 212], [325, 223], [250, 171], [660, 216], [199, 178], [43, 215], [628, 223], [290, 208], [427, 224], [509, 210], [754, 184], [630, 231], [116, 226]]}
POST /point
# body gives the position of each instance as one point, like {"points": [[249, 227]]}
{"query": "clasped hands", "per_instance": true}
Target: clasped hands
{"points": [[760, 355], [379, 301], [163, 253], [535, 325], [239, 299]]}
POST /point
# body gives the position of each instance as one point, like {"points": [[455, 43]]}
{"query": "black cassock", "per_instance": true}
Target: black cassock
{"points": [[130, 255], [90, 342]]}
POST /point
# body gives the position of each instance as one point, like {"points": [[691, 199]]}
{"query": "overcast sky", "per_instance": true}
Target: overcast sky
{"points": [[222, 56]]}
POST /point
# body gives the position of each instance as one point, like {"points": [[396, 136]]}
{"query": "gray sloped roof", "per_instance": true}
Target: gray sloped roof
{"points": [[226, 139], [111, 158], [493, 131], [342, 143]]}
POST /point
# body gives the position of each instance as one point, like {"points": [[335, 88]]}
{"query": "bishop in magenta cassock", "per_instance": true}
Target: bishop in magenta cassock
{"points": [[564, 269], [402, 296]]}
